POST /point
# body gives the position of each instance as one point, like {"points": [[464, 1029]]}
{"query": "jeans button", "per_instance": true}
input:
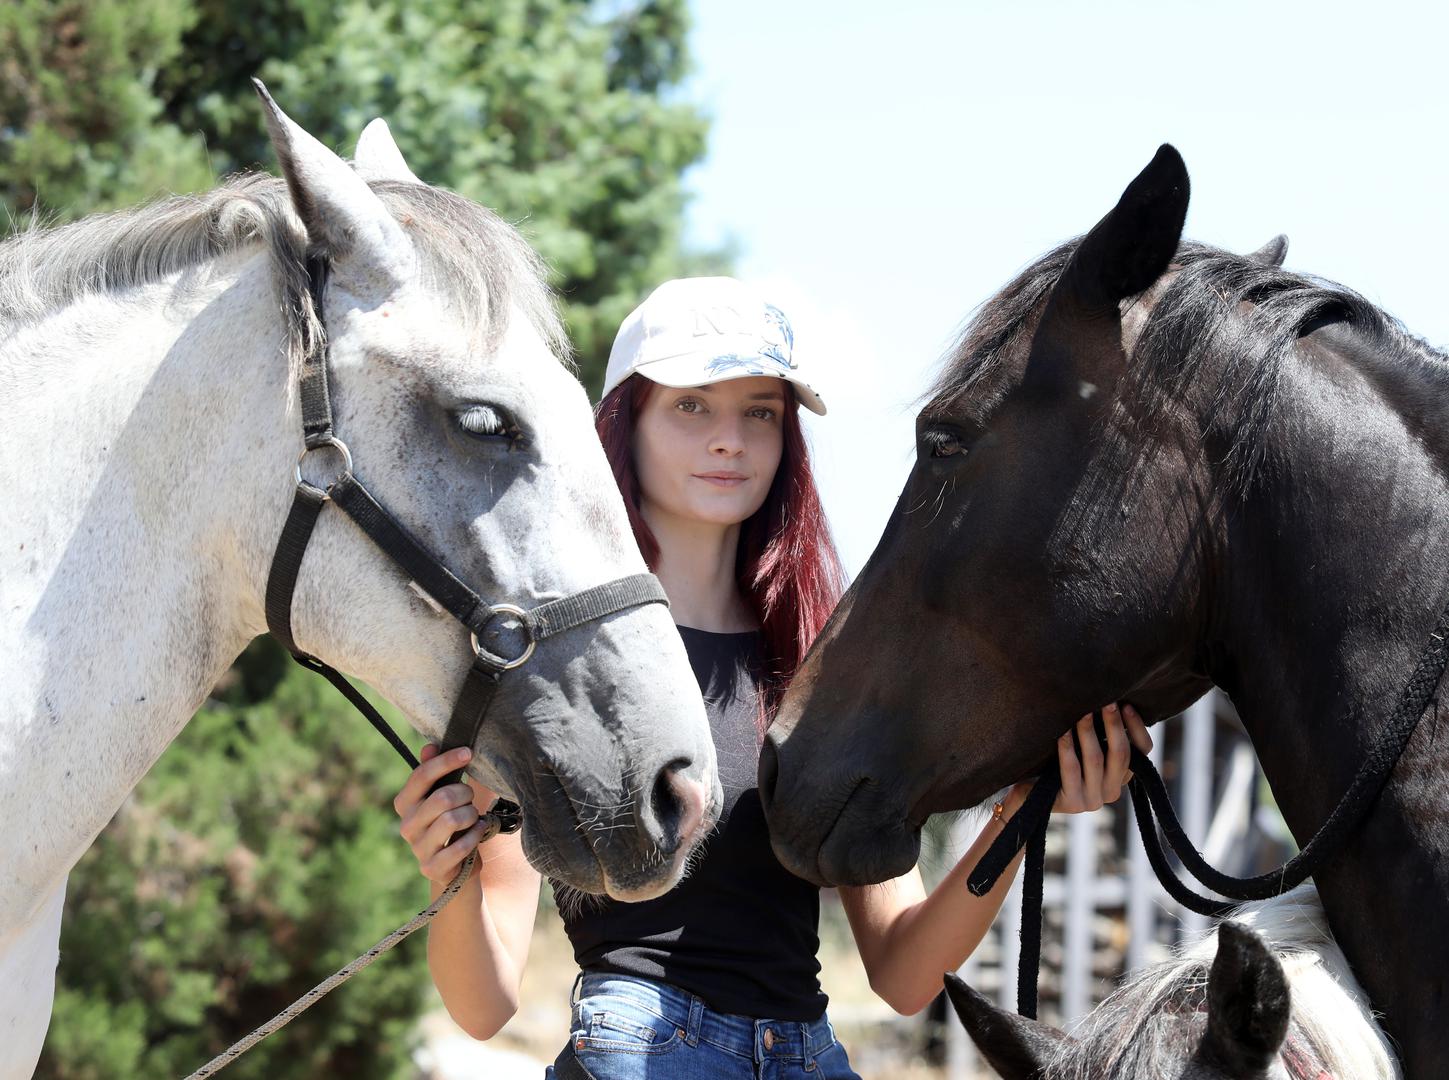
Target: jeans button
{"points": [[769, 1039]]}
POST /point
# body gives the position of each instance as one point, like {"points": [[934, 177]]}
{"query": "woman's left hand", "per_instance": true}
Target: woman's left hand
{"points": [[1093, 778]]}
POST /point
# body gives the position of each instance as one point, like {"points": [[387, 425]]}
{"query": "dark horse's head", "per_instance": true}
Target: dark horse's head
{"points": [[1052, 548], [991, 622]]}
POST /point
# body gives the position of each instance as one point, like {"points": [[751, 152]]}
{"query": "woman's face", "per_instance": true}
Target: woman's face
{"points": [[709, 453]]}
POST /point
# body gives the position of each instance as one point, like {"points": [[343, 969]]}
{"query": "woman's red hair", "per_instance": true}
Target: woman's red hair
{"points": [[787, 566]]}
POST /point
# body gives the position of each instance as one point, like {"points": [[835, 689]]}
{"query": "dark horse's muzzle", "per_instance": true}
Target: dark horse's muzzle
{"points": [[855, 832]]}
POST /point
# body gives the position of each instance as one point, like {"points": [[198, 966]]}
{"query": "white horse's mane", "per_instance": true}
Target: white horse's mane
{"points": [[467, 254], [1140, 1025]]}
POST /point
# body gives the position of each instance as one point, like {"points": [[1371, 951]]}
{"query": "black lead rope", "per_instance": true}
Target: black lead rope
{"points": [[421, 567], [1027, 826]]}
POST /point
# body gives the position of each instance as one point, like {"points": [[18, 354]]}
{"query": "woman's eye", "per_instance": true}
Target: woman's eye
{"points": [[486, 422], [763, 413], [688, 405], [942, 444]]}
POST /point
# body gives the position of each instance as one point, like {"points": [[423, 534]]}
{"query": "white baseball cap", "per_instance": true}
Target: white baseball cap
{"points": [[695, 331]]}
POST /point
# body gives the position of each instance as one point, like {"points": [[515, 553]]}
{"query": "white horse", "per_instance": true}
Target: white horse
{"points": [[147, 452], [1268, 995]]}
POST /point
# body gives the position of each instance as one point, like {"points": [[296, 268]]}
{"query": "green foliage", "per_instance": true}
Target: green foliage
{"points": [[79, 118], [559, 114], [258, 856]]}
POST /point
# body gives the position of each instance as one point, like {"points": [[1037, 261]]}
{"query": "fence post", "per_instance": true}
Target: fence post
{"points": [[961, 1059], [1081, 904], [1197, 789], [1143, 892]]}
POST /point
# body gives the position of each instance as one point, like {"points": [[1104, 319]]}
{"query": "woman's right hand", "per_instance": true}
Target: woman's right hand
{"points": [[430, 821]]}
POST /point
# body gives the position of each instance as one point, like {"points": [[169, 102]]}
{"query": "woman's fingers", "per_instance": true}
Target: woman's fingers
{"points": [[1119, 754], [1090, 751], [1137, 730], [443, 828], [417, 822], [1090, 777], [434, 768], [440, 826], [442, 866], [1070, 800]]}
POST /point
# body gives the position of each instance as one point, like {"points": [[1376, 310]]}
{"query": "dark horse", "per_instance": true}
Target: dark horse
{"points": [[1151, 467]]}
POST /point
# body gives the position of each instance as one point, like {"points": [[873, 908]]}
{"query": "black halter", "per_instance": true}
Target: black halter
{"points": [[426, 571], [1028, 826]]}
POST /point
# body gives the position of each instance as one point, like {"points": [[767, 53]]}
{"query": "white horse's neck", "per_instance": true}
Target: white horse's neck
{"points": [[166, 411]]}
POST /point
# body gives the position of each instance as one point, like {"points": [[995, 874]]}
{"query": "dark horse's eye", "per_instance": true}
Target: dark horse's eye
{"points": [[488, 422], [941, 443]]}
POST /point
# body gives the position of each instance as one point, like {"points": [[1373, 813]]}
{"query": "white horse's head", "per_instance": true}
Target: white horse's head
{"points": [[462, 421]]}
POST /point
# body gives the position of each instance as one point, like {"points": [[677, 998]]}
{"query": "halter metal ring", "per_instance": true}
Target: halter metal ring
{"points": [[330, 443], [519, 660]]}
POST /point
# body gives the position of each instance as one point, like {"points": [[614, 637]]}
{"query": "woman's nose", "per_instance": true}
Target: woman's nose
{"points": [[727, 438]]}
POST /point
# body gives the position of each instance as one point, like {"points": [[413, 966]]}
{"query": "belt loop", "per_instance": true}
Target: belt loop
{"points": [[807, 1047], [696, 1020], [576, 991]]}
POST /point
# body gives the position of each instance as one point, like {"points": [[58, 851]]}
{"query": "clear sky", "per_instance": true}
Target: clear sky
{"points": [[884, 167]]}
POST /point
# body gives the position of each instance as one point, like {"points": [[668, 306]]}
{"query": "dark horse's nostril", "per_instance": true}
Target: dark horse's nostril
{"points": [[769, 772]]}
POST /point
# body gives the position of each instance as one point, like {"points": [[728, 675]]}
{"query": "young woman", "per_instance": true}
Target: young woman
{"points": [[718, 978]]}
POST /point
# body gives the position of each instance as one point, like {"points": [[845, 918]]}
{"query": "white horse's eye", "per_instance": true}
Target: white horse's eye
{"points": [[484, 420]]}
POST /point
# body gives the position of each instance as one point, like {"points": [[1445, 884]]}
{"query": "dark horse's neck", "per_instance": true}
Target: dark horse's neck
{"points": [[1336, 570]]}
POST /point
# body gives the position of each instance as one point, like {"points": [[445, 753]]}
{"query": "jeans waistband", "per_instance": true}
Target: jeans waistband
{"points": [[747, 1036]]}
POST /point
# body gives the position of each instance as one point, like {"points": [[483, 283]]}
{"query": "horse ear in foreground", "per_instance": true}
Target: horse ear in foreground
{"points": [[1148, 468], [148, 368], [1267, 997], [1246, 1017]]}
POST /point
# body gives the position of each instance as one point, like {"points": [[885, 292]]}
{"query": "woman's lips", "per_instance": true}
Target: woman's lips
{"points": [[722, 479]]}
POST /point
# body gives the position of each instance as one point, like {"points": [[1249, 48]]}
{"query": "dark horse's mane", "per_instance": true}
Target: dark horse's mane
{"points": [[1189, 323]]}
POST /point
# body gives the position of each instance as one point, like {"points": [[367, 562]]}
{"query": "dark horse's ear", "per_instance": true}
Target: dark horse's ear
{"points": [[1017, 1048], [1130, 248], [1248, 1005], [1273, 252]]}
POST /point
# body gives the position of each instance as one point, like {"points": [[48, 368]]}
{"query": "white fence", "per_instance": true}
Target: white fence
{"points": [[1105, 912]]}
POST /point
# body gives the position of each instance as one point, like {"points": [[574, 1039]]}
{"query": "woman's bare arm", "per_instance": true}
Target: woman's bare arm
{"points": [[909, 939], [478, 944]]}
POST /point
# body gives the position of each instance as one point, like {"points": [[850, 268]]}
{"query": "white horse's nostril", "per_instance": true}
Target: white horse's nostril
{"points": [[693, 800]]}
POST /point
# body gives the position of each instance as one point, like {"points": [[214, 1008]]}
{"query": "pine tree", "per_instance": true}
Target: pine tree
{"points": [[563, 115], [80, 122], [258, 856]]}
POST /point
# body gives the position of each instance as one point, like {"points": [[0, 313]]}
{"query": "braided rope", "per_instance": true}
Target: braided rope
{"points": [[1149, 796], [340, 976]]}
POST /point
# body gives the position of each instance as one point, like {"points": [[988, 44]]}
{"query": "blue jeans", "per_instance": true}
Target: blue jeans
{"points": [[626, 1028]]}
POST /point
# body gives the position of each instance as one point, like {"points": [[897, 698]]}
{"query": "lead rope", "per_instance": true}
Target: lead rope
{"points": [[340, 976], [497, 822], [1027, 826]]}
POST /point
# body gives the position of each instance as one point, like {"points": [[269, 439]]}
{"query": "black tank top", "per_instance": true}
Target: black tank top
{"points": [[740, 931]]}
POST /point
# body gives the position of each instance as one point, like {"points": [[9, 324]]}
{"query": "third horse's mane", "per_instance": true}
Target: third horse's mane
{"points": [[1145, 1027]]}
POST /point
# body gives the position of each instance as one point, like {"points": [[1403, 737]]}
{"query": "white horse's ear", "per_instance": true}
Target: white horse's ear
{"points": [[377, 156], [371, 255], [1273, 252]]}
